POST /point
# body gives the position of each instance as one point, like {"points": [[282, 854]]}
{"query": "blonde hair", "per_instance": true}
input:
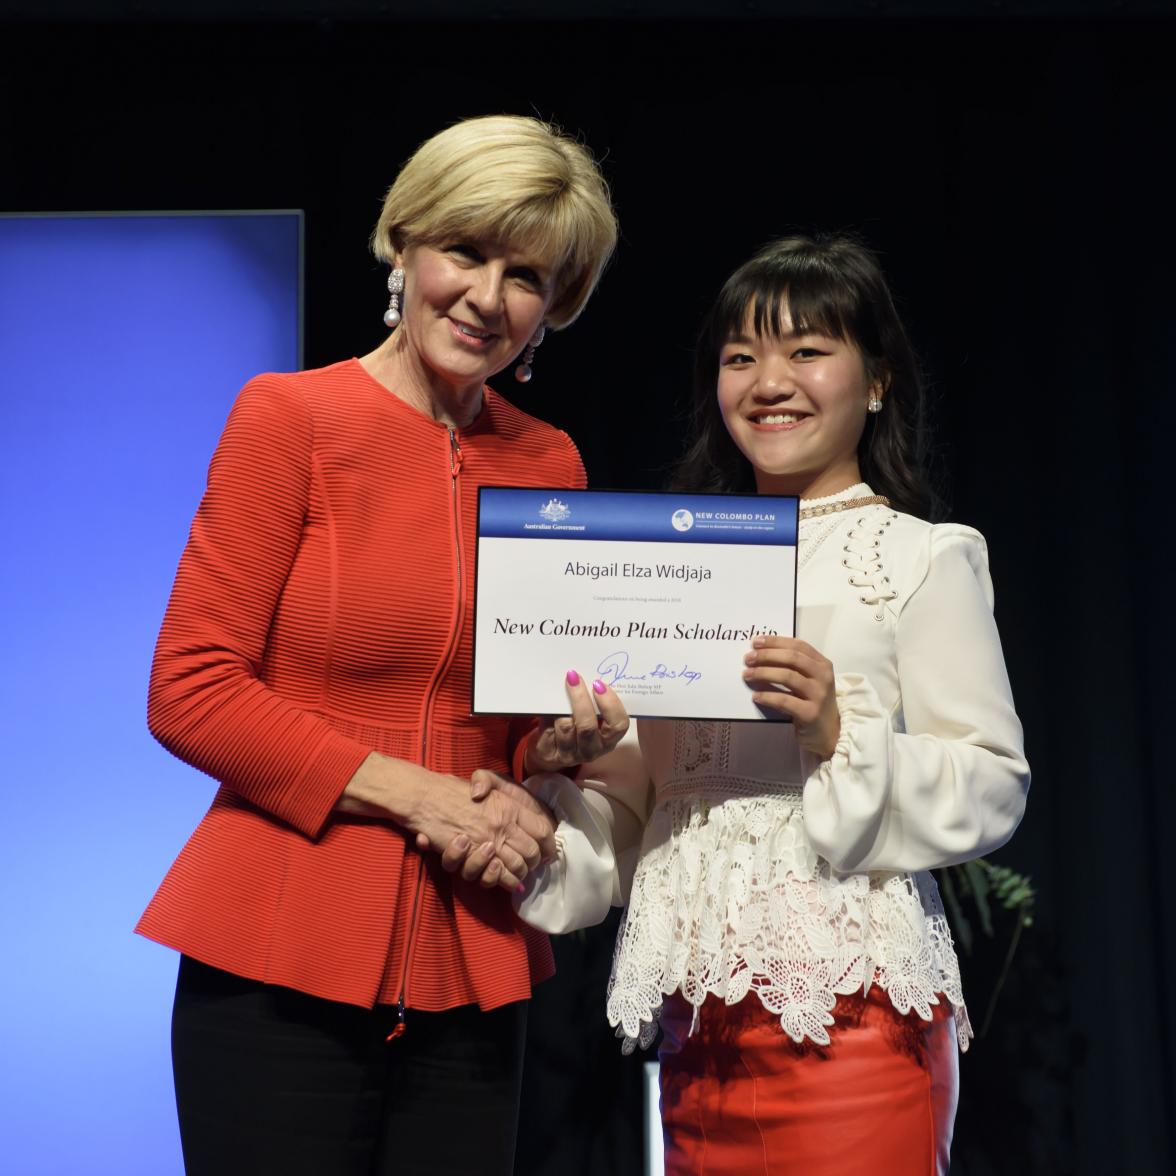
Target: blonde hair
{"points": [[509, 179]]}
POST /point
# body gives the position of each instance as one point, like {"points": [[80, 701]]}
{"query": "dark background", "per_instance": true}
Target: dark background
{"points": [[1009, 161]]}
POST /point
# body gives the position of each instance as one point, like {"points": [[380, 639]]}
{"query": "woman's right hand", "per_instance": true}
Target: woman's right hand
{"points": [[483, 862], [507, 825], [497, 838], [558, 743]]}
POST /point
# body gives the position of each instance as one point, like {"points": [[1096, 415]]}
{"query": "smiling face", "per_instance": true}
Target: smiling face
{"points": [[469, 308], [795, 406]]}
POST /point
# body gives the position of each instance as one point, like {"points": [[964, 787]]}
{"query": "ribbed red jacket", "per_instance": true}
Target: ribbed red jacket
{"points": [[323, 609]]}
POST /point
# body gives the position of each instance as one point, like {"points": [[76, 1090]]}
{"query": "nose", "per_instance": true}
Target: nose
{"points": [[774, 380], [485, 292]]}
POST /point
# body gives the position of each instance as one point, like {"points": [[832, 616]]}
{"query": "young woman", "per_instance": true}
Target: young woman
{"points": [[782, 927]]}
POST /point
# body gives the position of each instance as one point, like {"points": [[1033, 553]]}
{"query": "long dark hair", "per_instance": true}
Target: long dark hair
{"points": [[832, 285]]}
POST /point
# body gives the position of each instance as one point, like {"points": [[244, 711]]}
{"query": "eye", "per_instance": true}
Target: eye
{"points": [[464, 249], [735, 359], [808, 353], [526, 276]]}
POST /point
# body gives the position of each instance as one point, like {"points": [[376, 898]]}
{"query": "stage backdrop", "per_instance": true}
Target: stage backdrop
{"points": [[125, 339]]}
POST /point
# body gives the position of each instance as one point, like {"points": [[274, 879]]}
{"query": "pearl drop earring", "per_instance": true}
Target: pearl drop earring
{"points": [[874, 404], [523, 371], [395, 289]]}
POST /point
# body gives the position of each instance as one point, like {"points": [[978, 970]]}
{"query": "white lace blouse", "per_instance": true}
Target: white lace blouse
{"points": [[762, 871]]}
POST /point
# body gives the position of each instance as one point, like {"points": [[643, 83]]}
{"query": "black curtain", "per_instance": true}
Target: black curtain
{"points": [[1013, 174]]}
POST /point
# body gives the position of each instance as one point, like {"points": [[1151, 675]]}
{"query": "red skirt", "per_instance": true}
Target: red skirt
{"points": [[739, 1097]]}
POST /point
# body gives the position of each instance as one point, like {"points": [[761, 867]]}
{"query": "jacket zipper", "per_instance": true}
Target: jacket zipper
{"points": [[455, 458]]}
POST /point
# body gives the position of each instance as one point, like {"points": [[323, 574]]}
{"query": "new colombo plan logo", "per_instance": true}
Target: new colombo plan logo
{"points": [[554, 511], [682, 520]]}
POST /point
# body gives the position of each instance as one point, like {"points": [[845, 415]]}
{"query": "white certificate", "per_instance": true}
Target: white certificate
{"points": [[659, 595]]}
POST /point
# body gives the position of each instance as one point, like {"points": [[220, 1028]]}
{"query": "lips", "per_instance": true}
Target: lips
{"points": [[468, 333], [779, 420]]}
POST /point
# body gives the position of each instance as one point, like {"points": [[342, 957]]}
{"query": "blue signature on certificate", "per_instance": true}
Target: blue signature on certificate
{"points": [[615, 668]]}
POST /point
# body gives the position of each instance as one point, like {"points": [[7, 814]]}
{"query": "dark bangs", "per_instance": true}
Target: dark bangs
{"points": [[803, 286]]}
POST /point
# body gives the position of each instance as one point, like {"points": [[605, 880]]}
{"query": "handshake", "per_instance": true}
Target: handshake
{"points": [[496, 831]]}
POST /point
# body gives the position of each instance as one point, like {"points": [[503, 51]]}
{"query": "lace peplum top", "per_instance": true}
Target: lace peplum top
{"points": [[765, 874]]}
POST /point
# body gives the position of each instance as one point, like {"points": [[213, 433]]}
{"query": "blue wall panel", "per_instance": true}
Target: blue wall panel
{"points": [[123, 341]]}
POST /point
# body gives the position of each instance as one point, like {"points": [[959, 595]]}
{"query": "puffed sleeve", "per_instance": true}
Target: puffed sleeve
{"points": [[601, 817], [951, 785], [206, 702]]}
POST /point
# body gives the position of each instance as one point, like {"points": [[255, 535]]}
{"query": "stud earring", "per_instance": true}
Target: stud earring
{"points": [[523, 371], [874, 404], [395, 289]]}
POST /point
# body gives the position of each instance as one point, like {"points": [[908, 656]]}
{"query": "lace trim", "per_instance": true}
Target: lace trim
{"points": [[812, 533], [730, 899]]}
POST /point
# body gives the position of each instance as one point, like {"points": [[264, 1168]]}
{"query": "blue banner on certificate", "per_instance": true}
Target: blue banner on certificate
{"points": [[659, 595]]}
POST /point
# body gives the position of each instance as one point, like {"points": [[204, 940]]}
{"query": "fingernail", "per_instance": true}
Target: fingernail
{"points": [[573, 678], [548, 860], [461, 841], [599, 686], [520, 889], [486, 846], [749, 673], [758, 642], [749, 659]]}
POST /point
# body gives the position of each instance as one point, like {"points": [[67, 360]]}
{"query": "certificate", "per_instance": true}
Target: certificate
{"points": [[659, 595]]}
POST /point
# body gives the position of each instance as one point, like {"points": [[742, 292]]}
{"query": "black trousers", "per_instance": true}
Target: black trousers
{"points": [[582, 1098], [272, 1081]]}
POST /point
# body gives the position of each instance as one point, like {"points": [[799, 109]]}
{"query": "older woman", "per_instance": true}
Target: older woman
{"points": [[344, 1004]]}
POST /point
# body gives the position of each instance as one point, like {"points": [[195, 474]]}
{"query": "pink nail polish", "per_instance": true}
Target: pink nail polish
{"points": [[599, 686], [573, 678], [520, 889]]}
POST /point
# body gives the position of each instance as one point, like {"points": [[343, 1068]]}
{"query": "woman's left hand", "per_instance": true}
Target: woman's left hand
{"points": [[583, 735], [811, 698]]}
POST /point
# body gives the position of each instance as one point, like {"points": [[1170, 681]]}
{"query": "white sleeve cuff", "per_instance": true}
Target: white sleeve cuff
{"points": [[576, 890], [845, 796]]}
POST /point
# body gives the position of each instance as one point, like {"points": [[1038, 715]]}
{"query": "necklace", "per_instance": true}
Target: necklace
{"points": [[815, 512]]}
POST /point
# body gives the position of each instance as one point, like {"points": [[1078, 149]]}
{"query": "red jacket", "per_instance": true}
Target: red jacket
{"points": [[322, 610]]}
